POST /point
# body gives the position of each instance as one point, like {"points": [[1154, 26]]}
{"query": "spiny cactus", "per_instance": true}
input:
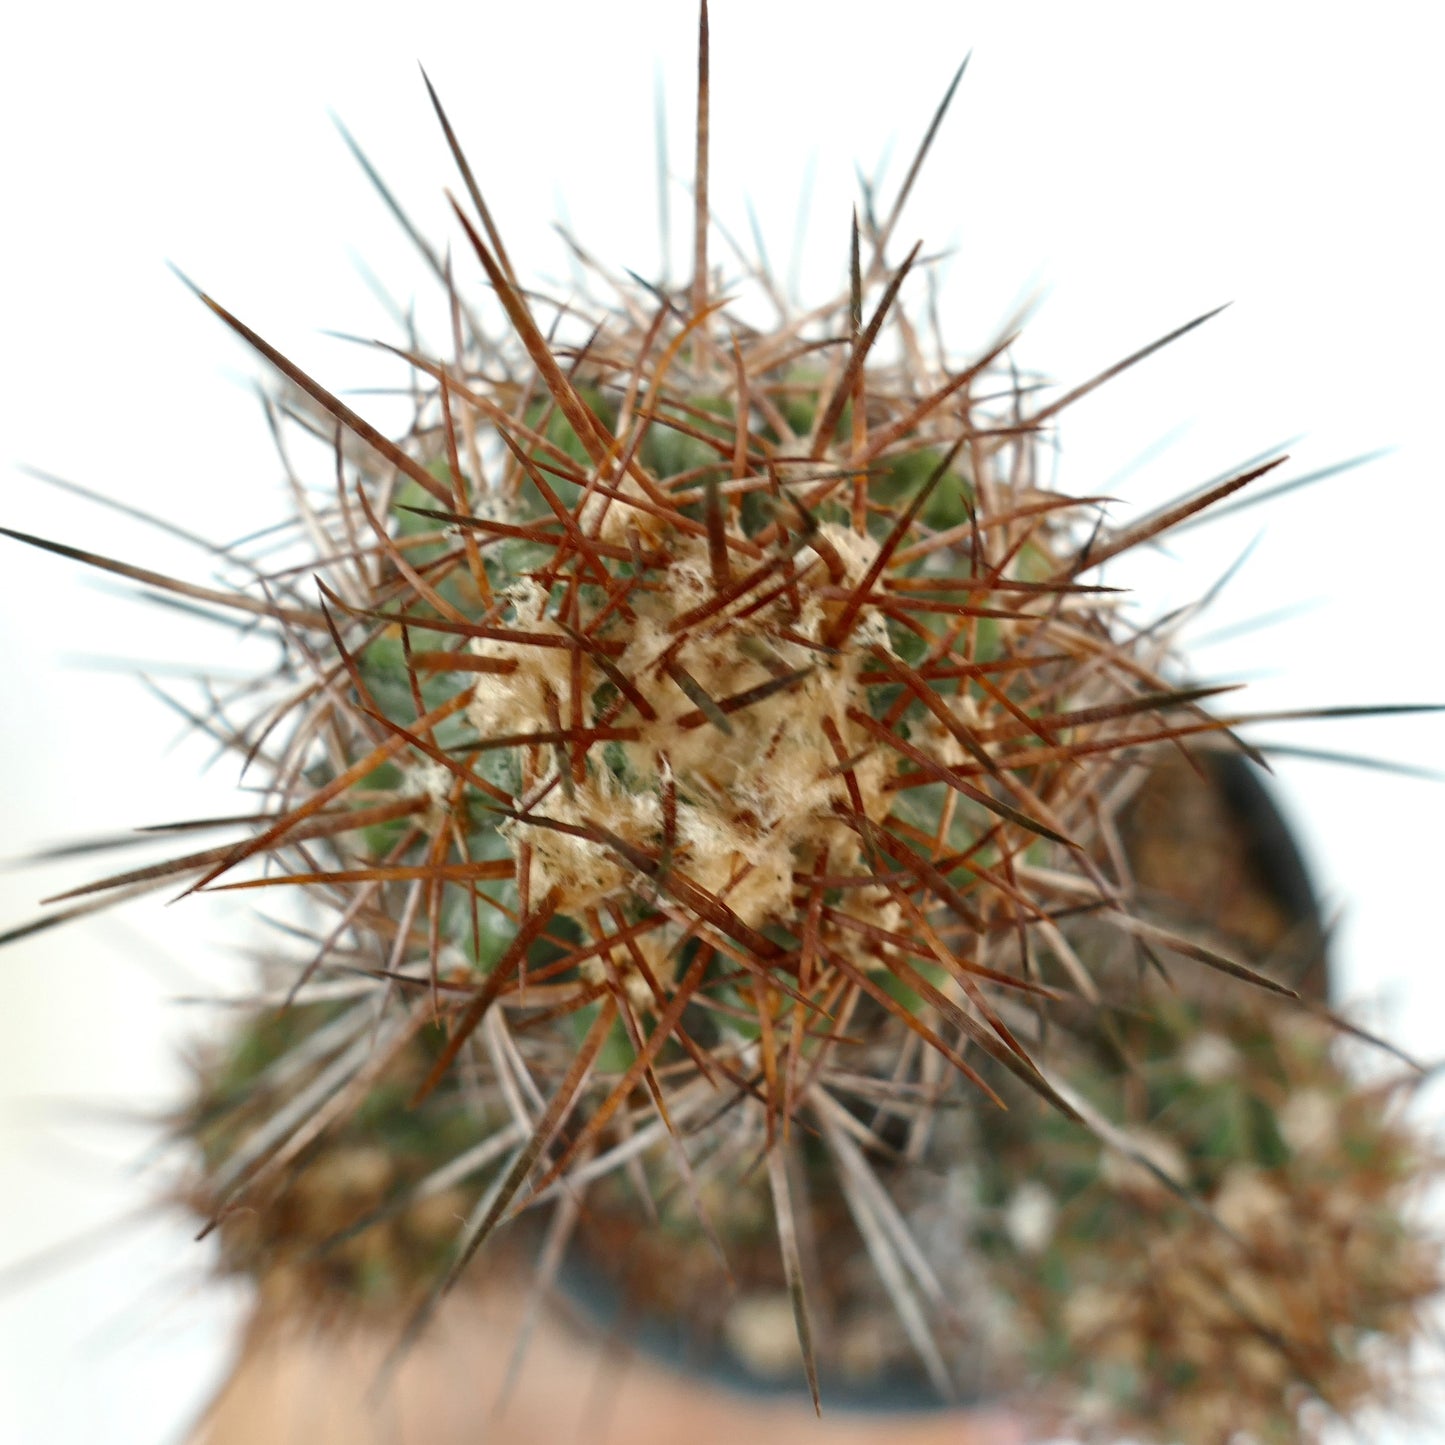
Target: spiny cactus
{"points": [[703, 743], [1255, 1253]]}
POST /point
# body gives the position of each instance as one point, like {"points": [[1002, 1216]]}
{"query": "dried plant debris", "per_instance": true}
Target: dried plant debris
{"points": [[703, 748]]}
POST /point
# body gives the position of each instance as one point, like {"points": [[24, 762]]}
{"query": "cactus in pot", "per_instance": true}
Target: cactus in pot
{"points": [[703, 743]]}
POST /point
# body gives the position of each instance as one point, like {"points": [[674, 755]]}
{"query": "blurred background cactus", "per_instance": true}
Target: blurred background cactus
{"points": [[359, 1176]]}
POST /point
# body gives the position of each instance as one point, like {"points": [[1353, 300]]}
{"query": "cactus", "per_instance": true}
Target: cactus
{"points": [[702, 752], [1242, 1252]]}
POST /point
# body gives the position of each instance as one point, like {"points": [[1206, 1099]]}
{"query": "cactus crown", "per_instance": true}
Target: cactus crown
{"points": [[702, 737]]}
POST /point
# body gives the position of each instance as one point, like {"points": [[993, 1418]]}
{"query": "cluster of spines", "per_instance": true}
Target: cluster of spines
{"points": [[1009, 693]]}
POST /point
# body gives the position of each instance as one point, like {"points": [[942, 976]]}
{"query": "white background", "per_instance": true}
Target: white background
{"points": [[1134, 165]]}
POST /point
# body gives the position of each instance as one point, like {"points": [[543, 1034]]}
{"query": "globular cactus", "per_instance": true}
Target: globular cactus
{"points": [[1245, 1248], [704, 747]]}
